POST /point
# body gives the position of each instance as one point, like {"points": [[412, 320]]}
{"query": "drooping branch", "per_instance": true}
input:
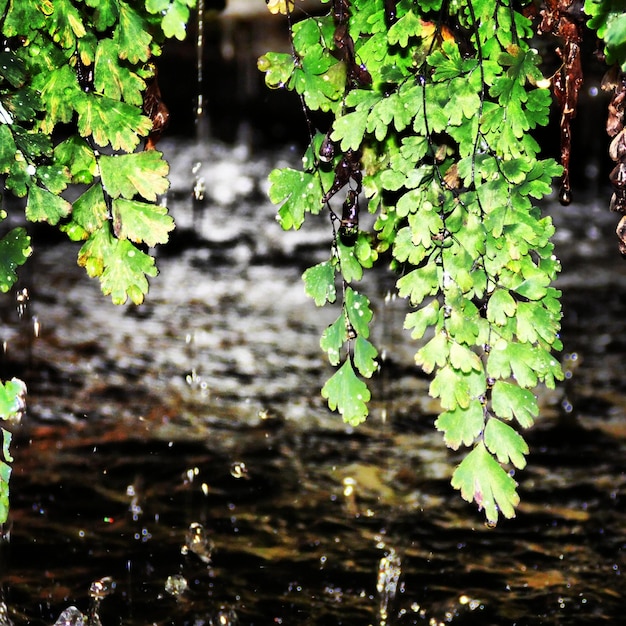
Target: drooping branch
{"points": [[615, 82], [564, 20]]}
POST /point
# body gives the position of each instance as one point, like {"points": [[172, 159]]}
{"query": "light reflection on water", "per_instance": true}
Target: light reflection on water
{"points": [[205, 404]]}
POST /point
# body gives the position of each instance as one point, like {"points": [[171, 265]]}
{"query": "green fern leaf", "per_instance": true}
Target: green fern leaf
{"points": [[347, 394], [319, 283], [481, 479]]}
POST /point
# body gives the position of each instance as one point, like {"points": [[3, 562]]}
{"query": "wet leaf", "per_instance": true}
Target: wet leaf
{"points": [[106, 13], [12, 405], [508, 400], [111, 122], [451, 387], [12, 68], [7, 148], [434, 354], [333, 338], [358, 311], [534, 288], [115, 79], [278, 68], [364, 355], [351, 269], [55, 178], [14, 250], [175, 20], [319, 283], [405, 249], [132, 34], [95, 250], [481, 479], [22, 105], [31, 144], [60, 95], [123, 269], [418, 321], [23, 16], [501, 307], [89, 211], [142, 222], [464, 359], [507, 445], [79, 157], [65, 24], [347, 394], [297, 192], [408, 26], [45, 206], [462, 425], [419, 283], [348, 130], [142, 173], [517, 359]]}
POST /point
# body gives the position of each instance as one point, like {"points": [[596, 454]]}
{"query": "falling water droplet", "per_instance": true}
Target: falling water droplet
{"points": [[389, 570], [199, 189], [198, 542], [22, 297], [239, 470], [202, 125], [565, 196], [349, 493], [191, 473], [176, 585]]}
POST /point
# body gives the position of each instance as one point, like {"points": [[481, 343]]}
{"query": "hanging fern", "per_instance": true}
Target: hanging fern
{"points": [[86, 69], [433, 109]]}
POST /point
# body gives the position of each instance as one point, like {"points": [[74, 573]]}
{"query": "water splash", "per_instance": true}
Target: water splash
{"points": [[389, 570], [98, 590], [101, 588], [198, 542], [176, 585], [5, 620], [71, 617]]}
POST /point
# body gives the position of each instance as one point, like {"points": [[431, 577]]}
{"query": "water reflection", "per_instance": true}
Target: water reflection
{"points": [[140, 420]]}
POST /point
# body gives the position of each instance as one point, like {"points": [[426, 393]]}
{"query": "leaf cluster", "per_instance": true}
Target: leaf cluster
{"points": [[451, 173], [86, 66], [608, 19], [79, 69]]}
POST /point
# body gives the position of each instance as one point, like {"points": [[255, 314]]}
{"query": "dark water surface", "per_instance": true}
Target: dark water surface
{"points": [[202, 409]]}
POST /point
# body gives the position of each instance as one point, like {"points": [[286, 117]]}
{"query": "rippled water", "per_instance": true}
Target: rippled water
{"points": [[182, 448]]}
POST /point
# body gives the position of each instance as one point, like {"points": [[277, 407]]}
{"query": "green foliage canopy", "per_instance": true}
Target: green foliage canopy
{"points": [[432, 122]]}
